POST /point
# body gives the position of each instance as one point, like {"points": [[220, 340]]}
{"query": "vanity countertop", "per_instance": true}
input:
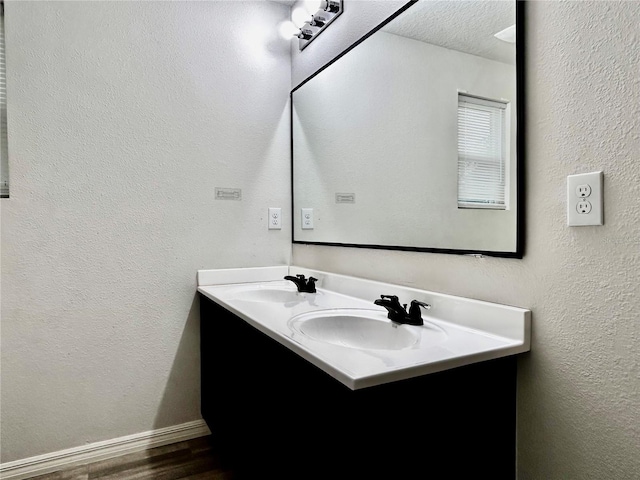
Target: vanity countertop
{"points": [[457, 331]]}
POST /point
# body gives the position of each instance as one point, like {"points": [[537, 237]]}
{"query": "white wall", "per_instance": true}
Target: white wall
{"points": [[578, 396], [124, 116]]}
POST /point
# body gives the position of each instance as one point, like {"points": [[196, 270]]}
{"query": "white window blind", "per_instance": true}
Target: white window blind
{"points": [[481, 152], [4, 151]]}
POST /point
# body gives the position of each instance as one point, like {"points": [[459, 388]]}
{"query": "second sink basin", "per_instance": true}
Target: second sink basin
{"points": [[362, 329], [270, 294]]}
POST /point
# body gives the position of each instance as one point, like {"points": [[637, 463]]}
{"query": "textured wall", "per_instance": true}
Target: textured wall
{"points": [[124, 116], [579, 387]]}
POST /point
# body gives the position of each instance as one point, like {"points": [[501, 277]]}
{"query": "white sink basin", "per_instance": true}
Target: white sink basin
{"points": [[362, 329]]}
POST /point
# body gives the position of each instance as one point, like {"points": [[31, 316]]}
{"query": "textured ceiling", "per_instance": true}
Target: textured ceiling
{"points": [[466, 26]]}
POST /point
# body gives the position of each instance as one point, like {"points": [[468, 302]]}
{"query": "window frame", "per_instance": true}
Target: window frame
{"points": [[499, 110]]}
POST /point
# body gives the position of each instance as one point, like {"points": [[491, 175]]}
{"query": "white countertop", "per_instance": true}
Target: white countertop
{"points": [[474, 330]]}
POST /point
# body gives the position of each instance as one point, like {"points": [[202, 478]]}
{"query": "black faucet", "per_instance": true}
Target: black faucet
{"points": [[398, 313], [307, 285]]}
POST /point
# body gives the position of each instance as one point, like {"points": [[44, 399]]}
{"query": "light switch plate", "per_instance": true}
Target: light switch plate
{"points": [[585, 204]]}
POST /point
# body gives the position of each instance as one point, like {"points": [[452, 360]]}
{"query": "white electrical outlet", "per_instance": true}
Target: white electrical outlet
{"points": [[307, 218], [275, 218], [585, 199], [584, 207], [583, 190]]}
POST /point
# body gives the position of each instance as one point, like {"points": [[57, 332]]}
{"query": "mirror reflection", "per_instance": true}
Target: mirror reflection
{"points": [[409, 140]]}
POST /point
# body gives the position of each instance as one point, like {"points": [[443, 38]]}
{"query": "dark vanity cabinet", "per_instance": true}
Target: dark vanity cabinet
{"points": [[275, 415]]}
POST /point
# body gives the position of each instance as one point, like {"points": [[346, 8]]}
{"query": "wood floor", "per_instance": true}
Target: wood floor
{"points": [[196, 459]]}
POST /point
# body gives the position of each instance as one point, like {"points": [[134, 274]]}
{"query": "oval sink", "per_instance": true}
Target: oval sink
{"points": [[360, 328]]}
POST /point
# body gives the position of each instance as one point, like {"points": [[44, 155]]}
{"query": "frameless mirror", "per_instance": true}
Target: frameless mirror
{"points": [[411, 139]]}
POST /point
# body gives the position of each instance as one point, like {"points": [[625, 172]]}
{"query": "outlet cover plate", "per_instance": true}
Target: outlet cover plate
{"points": [[275, 218], [585, 205]]}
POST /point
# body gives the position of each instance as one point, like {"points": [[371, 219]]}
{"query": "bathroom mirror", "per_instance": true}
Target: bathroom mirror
{"points": [[412, 138]]}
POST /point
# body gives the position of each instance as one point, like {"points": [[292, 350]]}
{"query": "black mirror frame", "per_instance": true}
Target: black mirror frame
{"points": [[520, 149]]}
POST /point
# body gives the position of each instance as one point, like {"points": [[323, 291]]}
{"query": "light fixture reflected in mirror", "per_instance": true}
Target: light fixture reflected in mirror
{"points": [[307, 32], [300, 16], [288, 29], [321, 18], [306, 26]]}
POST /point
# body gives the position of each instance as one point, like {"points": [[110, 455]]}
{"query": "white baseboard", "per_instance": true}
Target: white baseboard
{"points": [[52, 462]]}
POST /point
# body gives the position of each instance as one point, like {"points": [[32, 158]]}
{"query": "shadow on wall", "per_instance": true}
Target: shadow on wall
{"points": [[181, 398]]}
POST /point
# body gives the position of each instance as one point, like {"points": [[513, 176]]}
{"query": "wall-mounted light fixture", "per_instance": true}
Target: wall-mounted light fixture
{"points": [[306, 25]]}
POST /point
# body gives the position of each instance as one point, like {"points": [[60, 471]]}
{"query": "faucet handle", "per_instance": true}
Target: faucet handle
{"points": [[393, 298], [414, 310], [311, 285], [396, 303], [427, 306]]}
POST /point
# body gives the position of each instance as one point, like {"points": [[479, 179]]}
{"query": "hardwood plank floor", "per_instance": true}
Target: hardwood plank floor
{"points": [[196, 459]]}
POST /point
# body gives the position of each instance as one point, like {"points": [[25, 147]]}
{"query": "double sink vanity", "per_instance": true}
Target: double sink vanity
{"points": [[325, 385], [343, 381]]}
